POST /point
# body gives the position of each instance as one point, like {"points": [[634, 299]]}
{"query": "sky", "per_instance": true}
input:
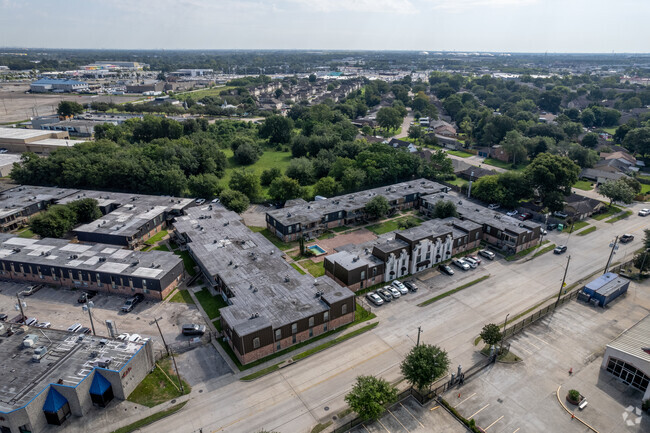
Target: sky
{"points": [[565, 26]]}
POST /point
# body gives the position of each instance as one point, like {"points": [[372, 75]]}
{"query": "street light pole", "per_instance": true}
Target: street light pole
{"points": [[20, 305], [563, 279], [88, 307], [419, 332], [469, 188], [611, 254]]}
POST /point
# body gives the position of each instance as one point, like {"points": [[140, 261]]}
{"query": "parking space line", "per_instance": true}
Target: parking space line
{"points": [[520, 346], [458, 404], [476, 413], [405, 408], [533, 335], [515, 431], [498, 419], [379, 421], [364, 426], [400, 422], [528, 342]]}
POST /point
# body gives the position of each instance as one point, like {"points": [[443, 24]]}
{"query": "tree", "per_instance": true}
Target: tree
{"points": [[69, 108], [444, 209], [632, 183], [377, 207], [590, 140], [353, 179], [55, 223], [370, 396], [548, 173], [389, 118], [424, 364], [248, 153], [489, 189], [234, 200], [269, 175], [246, 182], [86, 210], [638, 140], [312, 78], [277, 129], [491, 334], [617, 190], [585, 158], [301, 169], [204, 185], [326, 187], [415, 132], [284, 188], [515, 146]]}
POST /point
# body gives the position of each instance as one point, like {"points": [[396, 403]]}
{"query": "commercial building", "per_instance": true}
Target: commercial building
{"points": [[7, 161], [271, 306], [192, 72], [116, 66], [72, 376], [98, 267], [32, 140], [628, 357], [604, 289], [149, 86], [54, 85], [309, 220]]}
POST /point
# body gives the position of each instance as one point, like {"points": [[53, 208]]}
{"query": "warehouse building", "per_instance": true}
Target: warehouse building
{"points": [[604, 289], [628, 357], [58, 86], [100, 267], [271, 306], [49, 376], [32, 140]]}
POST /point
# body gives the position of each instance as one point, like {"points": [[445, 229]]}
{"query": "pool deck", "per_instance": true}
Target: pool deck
{"points": [[329, 245]]}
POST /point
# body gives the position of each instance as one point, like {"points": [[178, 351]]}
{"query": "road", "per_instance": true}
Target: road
{"points": [[294, 399], [405, 125]]}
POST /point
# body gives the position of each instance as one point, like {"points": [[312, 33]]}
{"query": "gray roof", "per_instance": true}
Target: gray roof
{"points": [[14, 200], [254, 270], [633, 340], [315, 210], [66, 359], [350, 261], [96, 258]]}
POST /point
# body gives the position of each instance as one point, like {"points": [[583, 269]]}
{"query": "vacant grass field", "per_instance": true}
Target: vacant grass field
{"points": [[458, 182], [269, 159], [585, 185], [459, 153], [315, 269], [211, 304], [157, 387], [389, 226], [182, 296], [202, 93]]}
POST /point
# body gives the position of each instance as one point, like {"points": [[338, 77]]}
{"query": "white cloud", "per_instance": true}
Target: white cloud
{"points": [[463, 5], [366, 6]]}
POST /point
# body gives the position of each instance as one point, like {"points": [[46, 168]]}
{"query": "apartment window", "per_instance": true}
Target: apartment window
{"points": [[278, 334], [326, 316], [374, 272], [4, 429], [293, 339], [256, 343], [311, 322], [487, 229], [340, 214], [278, 346], [294, 328], [476, 237], [289, 229], [363, 275], [325, 327], [24, 429], [311, 332], [344, 309]]}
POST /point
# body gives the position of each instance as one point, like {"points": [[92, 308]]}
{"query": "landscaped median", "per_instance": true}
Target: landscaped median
{"points": [[150, 419], [624, 215], [451, 292], [586, 231]]}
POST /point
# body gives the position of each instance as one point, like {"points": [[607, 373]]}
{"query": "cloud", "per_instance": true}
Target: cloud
{"points": [[366, 6], [463, 5]]}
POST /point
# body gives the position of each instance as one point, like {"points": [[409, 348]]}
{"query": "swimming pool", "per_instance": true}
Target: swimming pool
{"points": [[316, 250]]}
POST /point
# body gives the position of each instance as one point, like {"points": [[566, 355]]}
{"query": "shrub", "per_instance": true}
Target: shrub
{"points": [[573, 395]]}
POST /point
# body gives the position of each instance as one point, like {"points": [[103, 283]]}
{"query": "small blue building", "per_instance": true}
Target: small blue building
{"points": [[605, 288], [55, 85]]}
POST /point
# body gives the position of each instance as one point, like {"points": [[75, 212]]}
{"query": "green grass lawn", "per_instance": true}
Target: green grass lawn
{"points": [[609, 212], [645, 189], [327, 235], [211, 304], [315, 269], [157, 387], [297, 268], [458, 182], [544, 250], [584, 185], [586, 231], [27, 233], [389, 226], [460, 153], [182, 296], [578, 225], [625, 214], [202, 93], [498, 163], [188, 262], [161, 248], [273, 238], [523, 253], [156, 238], [611, 131]]}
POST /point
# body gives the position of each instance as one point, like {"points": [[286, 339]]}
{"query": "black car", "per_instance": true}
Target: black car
{"points": [[560, 249], [411, 286], [86, 296], [627, 238], [446, 269], [3, 317], [83, 330], [551, 226]]}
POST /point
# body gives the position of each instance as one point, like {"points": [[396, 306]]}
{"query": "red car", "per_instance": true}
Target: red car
{"points": [[525, 216]]}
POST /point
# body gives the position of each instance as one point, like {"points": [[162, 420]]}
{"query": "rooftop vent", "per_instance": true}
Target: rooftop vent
{"points": [[286, 279], [102, 259], [226, 223], [255, 290], [136, 263], [230, 264]]}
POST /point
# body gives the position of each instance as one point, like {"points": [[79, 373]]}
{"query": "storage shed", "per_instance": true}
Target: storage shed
{"points": [[605, 288]]}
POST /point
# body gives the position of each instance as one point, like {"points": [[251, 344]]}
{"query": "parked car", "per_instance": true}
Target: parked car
{"points": [[84, 330], [551, 226], [32, 321], [43, 324], [525, 216], [560, 214], [487, 254], [512, 213], [626, 238], [461, 264], [132, 302], [192, 329], [446, 269], [493, 206], [124, 336], [644, 212], [374, 298], [411, 286], [393, 291], [3, 317], [200, 201], [31, 290], [560, 249], [134, 338], [475, 257], [215, 200], [385, 295], [543, 231], [471, 262], [86, 296], [401, 287], [74, 328]]}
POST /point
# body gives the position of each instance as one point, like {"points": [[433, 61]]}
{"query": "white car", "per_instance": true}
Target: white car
{"points": [[134, 338], [74, 328], [461, 264], [644, 212], [401, 287], [124, 337], [487, 254], [216, 200], [512, 213], [200, 201], [493, 206], [470, 261], [393, 291], [560, 214]]}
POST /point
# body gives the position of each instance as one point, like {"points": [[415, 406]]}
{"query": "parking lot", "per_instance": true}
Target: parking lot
{"points": [[574, 337], [408, 416]]}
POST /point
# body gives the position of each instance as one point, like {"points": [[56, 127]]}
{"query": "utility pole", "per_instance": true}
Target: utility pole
{"points": [[419, 332], [563, 279], [20, 305], [180, 383], [89, 305], [469, 188], [611, 254], [161, 336]]}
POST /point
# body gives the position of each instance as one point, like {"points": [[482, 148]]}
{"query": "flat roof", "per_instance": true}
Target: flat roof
{"points": [[606, 284], [635, 341], [14, 200], [23, 134], [313, 211], [8, 158], [70, 357], [63, 142], [254, 270], [95, 258]]}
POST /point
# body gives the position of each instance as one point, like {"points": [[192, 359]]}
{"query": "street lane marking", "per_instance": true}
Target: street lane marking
{"points": [[405, 408], [515, 431], [499, 419], [465, 400], [383, 426], [476, 413], [400, 422], [533, 335]]}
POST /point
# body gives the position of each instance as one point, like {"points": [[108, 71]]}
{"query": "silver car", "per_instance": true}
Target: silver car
{"points": [[470, 261], [401, 287], [393, 291], [461, 264]]}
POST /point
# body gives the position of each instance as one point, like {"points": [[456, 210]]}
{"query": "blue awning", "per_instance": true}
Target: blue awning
{"points": [[99, 385], [54, 401]]}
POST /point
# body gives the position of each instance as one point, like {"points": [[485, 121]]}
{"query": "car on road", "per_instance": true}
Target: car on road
{"points": [[487, 254], [401, 287], [31, 290], [460, 263], [626, 238], [86, 296], [470, 260], [560, 214], [74, 328], [132, 302], [512, 213], [411, 286], [446, 269], [200, 201], [644, 212], [385, 295], [493, 206], [393, 291], [560, 249], [374, 298], [525, 216]]}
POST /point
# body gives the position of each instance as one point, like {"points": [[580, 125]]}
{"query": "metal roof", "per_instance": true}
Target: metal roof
{"points": [[634, 340]]}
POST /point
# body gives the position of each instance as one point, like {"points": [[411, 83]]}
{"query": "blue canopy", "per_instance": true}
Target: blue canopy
{"points": [[54, 401], [99, 385]]}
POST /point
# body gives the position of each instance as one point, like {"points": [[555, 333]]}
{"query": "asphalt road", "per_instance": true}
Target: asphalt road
{"points": [[294, 399]]}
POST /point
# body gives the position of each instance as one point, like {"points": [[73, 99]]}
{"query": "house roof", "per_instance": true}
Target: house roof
{"points": [[477, 172], [619, 155]]}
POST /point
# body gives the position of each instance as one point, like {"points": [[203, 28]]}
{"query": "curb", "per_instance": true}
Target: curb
{"points": [[557, 394]]}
